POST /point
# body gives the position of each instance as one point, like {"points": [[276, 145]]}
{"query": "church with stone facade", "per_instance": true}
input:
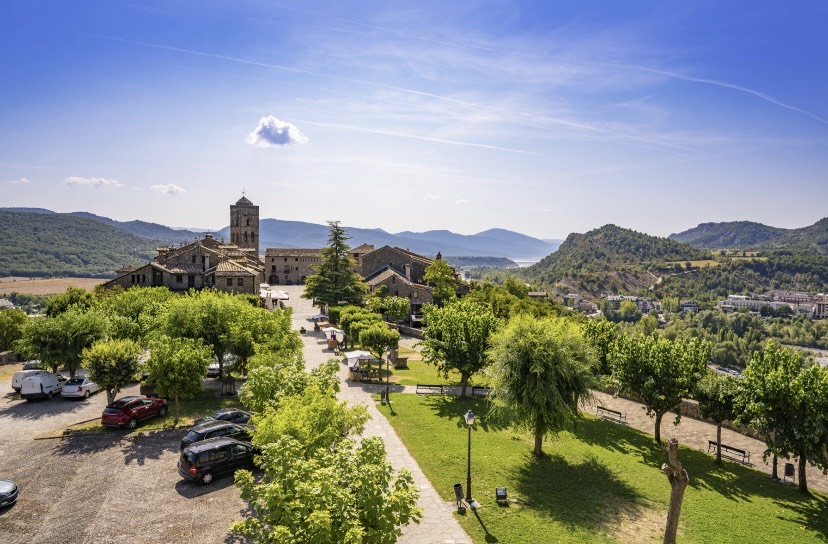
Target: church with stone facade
{"points": [[234, 267]]}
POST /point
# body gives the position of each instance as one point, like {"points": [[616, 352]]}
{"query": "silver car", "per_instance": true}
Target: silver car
{"points": [[79, 387]]}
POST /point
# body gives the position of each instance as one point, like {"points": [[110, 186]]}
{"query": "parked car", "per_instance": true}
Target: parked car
{"points": [[213, 367], [233, 415], [213, 429], [42, 386], [79, 388], [205, 460], [20, 375], [34, 364], [8, 493], [128, 411]]}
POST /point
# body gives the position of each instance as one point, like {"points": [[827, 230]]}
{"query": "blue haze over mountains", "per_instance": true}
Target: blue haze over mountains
{"points": [[298, 234]]}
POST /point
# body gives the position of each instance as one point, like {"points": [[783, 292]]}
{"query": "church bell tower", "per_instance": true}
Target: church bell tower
{"points": [[244, 224]]}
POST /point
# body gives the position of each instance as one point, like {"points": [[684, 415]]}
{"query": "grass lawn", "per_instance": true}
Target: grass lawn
{"points": [[204, 403], [420, 372], [602, 483]]}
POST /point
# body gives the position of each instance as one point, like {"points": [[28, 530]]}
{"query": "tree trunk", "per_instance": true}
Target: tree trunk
{"points": [[659, 415], [678, 483], [464, 382], [803, 479], [719, 443], [110, 395], [539, 428], [177, 411]]}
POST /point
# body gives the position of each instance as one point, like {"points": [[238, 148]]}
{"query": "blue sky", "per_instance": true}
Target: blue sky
{"points": [[541, 117]]}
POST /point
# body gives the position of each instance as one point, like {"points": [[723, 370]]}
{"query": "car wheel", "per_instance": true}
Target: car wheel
{"points": [[49, 396], [207, 478], [132, 423], [163, 411], [86, 394]]}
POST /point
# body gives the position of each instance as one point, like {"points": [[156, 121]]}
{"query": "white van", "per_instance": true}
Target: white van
{"points": [[41, 386], [20, 375]]}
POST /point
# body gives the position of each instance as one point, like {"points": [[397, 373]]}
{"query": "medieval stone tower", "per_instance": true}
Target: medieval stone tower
{"points": [[244, 225]]}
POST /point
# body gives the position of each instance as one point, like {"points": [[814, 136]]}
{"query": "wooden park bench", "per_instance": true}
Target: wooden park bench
{"points": [[734, 454], [612, 415], [424, 389], [479, 390]]}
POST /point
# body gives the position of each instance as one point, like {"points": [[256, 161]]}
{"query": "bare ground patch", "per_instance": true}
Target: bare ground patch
{"points": [[45, 286]]}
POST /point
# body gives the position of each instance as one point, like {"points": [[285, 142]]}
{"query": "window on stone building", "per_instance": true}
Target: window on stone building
{"points": [[193, 258], [240, 282], [143, 278], [229, 282], [179, 278], [133, 278], [273, 268]]}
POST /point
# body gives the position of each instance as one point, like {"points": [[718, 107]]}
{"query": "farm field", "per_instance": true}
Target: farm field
{"points": [[44, 286]]}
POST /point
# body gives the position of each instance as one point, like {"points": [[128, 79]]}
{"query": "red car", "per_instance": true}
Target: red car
{"points": [[128, 411]]}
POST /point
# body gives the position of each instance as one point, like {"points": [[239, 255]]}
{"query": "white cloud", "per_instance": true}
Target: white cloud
{"points": [[21, 181], [541, 210], [168, 189], [461, 202], [273, 132], [430, 197], [92, 182]]}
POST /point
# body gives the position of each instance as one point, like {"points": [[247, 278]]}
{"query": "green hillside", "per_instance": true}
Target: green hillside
{"points": [[730, 235], [38, 244], [610, 260]]}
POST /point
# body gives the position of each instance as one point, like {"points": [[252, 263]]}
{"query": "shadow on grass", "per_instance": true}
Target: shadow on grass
{"points": [[453, 409], [587, 495], [811, 512]]}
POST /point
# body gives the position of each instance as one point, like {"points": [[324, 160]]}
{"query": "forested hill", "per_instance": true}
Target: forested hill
{"points": [[749, 235], [41, 244], [609, 260], [730, 235]]}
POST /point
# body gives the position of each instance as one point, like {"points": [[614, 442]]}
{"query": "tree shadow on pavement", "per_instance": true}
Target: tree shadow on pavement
{"points": [[151, 445], [87, 444], [32, 410]]}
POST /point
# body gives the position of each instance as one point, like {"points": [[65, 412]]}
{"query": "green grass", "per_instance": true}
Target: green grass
{"points": [[204, 403], [602, 483], [420, 372]]}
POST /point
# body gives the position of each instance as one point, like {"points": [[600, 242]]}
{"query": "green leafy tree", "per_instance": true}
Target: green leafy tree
{"points": [[716, 394], [629, 311], [601, 333], [456, 337], [254, 327], [443, 282], [60, 340], [134, 313], [343, 494], [273, 377], [12, 323], [541, 370], [660, 372], [396, 307], [73, 297], [112, 364], [335, 281], [177, 367], [785, 399], [377, 337]]}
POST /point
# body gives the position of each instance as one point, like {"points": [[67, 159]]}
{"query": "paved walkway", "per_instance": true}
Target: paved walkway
{"points": [[438, 525]]}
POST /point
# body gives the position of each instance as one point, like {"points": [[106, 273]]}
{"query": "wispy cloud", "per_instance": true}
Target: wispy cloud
{"points": [[430, 197], [541, 210], [461, 202], [92, 182], [168, 189], [272, 132], [21, 181]]}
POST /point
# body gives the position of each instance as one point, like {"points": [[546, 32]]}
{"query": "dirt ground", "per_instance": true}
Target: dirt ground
{"points": [[105, 488], [44, 286]]}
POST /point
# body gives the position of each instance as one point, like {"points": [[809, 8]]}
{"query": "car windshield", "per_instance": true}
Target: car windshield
{"points": [[188, 457], [75, 381], [112, 410], [192, 436]]}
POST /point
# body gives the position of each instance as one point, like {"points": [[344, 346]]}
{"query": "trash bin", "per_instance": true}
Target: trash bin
{"points": [[458, 495]]}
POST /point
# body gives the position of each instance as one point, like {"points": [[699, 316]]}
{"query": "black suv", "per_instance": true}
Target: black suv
{"points": [[205, 460], [214, 429]]}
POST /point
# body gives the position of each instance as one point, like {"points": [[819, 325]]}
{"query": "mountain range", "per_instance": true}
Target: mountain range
{"points": [[749, 235]]}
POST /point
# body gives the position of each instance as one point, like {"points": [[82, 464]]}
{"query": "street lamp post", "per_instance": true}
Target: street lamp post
{"points": [[469, 417], [387, 373]]}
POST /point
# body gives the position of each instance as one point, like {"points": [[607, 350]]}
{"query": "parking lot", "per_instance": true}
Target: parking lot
{"points": [[103, 488]]}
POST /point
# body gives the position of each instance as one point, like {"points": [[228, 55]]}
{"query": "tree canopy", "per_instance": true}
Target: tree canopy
{"points": [[177, 367], [335, 281], [112, 364], [439, 275], [541, 370]]}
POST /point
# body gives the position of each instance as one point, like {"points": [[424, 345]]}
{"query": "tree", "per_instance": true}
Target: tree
{"points": [[629, 311], [660, 372], [377, 338], [252, 327], [335, 281], [345, 493], [61, 340], [112, 364], [12, 323], [73, 297], [456, 337], [396, 307], [601, 333], [785, 398], [678, 478], [541, 370], [440, 277], [716, 394], [134, 313], [177, 367]]}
